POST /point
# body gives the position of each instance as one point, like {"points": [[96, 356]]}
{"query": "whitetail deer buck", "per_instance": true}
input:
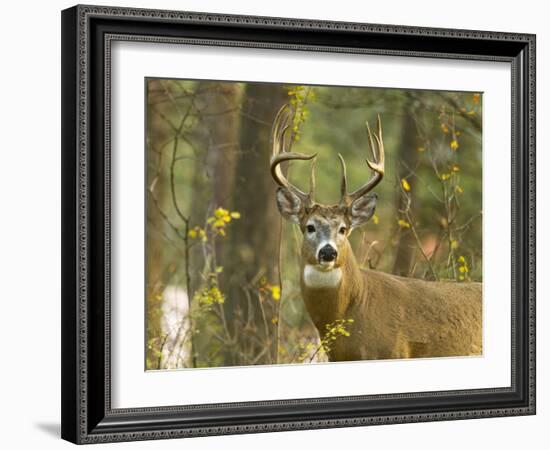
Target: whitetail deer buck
{"points": [[393, 317]]}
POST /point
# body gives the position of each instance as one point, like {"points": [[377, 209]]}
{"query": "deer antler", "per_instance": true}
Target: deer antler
{"points": [[280, 154], [377, 166]]}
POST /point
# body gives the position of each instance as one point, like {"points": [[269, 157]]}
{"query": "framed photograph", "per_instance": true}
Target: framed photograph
{"points": [[280, 224]]}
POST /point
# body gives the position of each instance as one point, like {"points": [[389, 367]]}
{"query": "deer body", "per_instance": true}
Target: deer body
{"points": [[393, 317]]}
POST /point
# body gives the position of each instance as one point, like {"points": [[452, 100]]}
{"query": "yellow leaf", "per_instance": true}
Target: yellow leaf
{"points": [[375, 219], [420, 149], [406, 185], [403, 223], [276, 292], [220, 213], [236, 215], [454, 244], [454, 144], [459, 189], [456, 168]]}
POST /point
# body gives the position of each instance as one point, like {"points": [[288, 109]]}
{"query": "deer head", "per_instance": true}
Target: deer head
{"points": [[325, 227]]}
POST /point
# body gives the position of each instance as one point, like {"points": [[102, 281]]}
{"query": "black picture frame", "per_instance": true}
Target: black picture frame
{"points": [[87, 415]]}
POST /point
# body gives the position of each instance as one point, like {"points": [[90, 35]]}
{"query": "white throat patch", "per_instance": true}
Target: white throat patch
{"points": [[318, 278]]}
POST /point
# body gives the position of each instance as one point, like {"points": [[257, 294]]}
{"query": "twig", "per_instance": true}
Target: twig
{"points": [[410, 219]]}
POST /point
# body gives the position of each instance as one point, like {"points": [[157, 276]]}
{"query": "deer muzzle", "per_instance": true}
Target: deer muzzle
{"points": [[327, 254]]}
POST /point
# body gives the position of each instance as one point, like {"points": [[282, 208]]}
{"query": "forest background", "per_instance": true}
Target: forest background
{"points": [[223, 269]]}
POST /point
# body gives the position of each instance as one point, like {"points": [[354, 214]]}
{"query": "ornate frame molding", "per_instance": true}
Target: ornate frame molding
{"points": [[85, 65]]}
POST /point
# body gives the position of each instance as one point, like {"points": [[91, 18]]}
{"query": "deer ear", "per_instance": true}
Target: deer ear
{"points": [[290, 205], [362, 209]]}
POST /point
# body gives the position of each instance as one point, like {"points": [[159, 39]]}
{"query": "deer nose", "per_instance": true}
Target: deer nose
{"points": [[327, 253]]}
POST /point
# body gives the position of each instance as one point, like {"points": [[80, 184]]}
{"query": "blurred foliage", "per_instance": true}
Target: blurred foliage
{"points": [[428, 218]]}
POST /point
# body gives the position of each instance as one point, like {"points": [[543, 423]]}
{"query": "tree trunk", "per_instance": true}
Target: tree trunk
{"points": [[407, 161], [252, 246]]}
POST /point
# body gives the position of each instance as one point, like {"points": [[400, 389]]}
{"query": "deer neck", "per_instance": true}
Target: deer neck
{"points": [[328, 295]]}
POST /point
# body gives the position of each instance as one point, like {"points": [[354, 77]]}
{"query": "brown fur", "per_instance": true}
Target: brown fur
{"points": [[396, 317]]}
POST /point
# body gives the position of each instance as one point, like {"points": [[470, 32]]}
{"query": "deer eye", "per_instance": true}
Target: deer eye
{"points": [[310, 229], [343, 230]]}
